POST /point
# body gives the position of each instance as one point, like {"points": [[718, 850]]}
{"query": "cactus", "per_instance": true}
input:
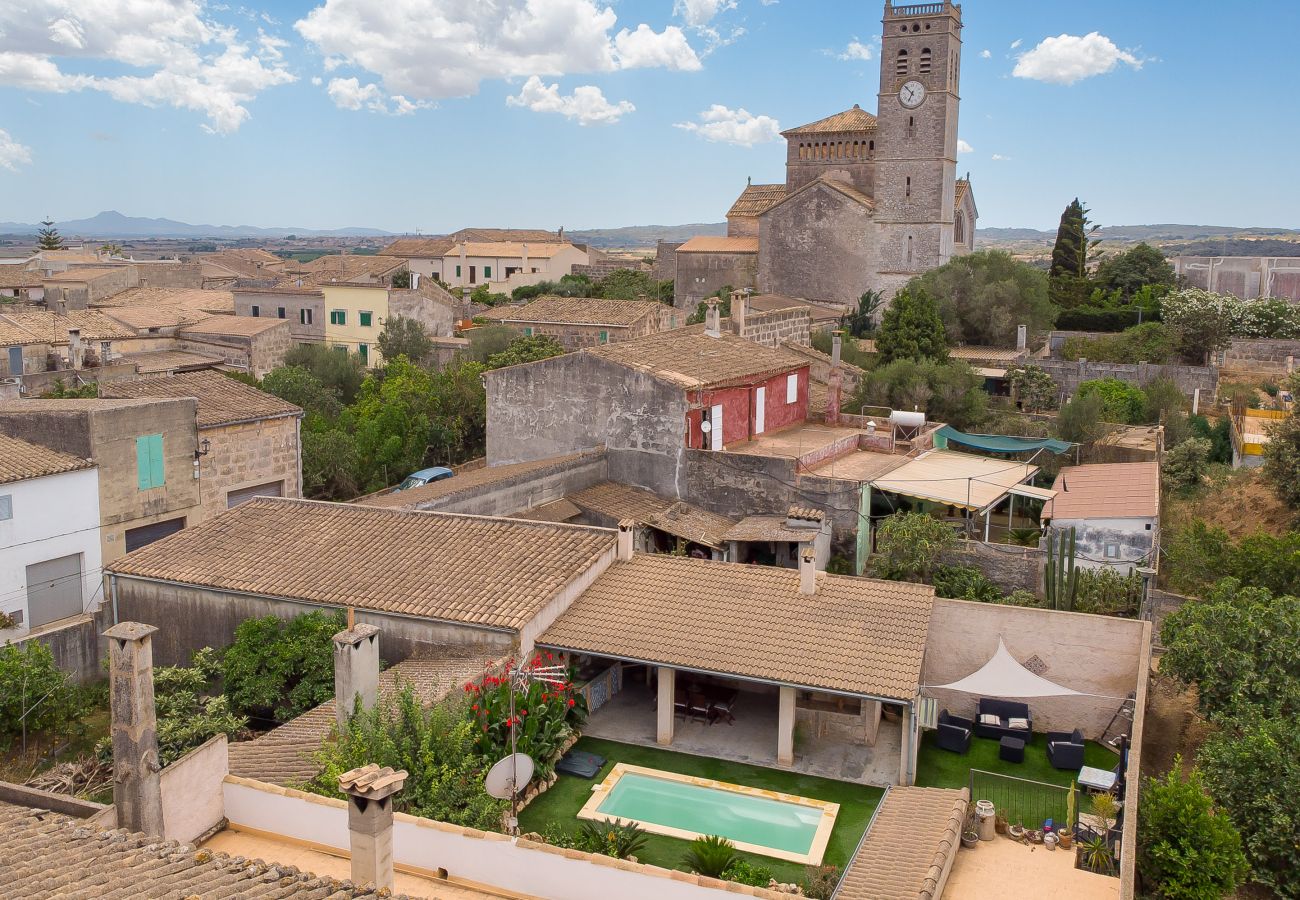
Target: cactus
{"points": [[1062, 579]]}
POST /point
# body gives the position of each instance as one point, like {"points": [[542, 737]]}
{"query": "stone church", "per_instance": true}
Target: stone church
{"points": [[869, 201]]}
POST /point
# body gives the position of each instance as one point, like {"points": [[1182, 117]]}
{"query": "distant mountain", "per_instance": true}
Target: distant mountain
{"points": [[112, 224], [1138, 233], [644, 235]]}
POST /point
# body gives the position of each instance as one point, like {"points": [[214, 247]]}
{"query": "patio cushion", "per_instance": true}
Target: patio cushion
{"points": [[580, 763], [989, 719], [1022, 724]]}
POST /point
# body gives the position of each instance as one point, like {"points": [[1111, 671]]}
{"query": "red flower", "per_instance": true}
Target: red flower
{"points": [[474, 707], [523, 712], [485, 728], [468, 687], [570, 701]]}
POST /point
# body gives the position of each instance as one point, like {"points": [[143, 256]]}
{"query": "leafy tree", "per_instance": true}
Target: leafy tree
{"points": [[861, 321], [908, 546], [302, 388], [1219, 435], [401, 279], [567, 286], [1105, 592], [1068, 277], [35, 695], [1138, 267], [950, 392], [983, 296], [48, 237], [1252, 768], [60, 391], [911, 329], [1150, 342], [339, 371], [330, 462], [459, 406], [1122, 402], [1282, 459], [1202, 322], [1187, 850], [484, 296], [1033, 387], [407, 337], [1163, 399], [1080, 420], [487, 340], [190, 708], [632, 284], [392, 424], [526, 350], [111, 249], [278, 669], [1240, 646], [1186, 464]]}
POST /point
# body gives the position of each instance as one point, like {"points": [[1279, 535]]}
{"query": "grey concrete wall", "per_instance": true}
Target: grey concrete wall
{"points": [[1131, 536], [192, 798], [1247, 277], [1069, 374], [269, 304], [1100, 656], [665, 264], [1010, 568], [76, 643], [524, 492], [190, 618], [700, 274]]}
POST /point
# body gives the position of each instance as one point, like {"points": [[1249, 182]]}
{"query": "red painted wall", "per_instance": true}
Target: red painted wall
{"points": [[738, 409], [781, 414]]}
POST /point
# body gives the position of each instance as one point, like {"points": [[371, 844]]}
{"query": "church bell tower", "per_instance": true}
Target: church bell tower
{"points": [[916, 147]]}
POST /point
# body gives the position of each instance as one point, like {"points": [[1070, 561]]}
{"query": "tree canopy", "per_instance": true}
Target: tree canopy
{"points": [[983, 296], [950, 392], [1069, 285], [407, 337], [1282, 459], [1138, 267], [911, 329], [48, 237]]}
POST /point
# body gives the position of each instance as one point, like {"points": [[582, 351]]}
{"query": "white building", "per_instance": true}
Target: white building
{"points": [[502, 259], [49, 534], [1115, 511]]}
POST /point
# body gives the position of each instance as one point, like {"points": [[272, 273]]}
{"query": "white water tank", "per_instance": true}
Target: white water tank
{"points": [[905, 419]]}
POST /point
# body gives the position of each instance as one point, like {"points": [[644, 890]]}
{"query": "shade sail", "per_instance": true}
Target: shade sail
{"points": [[1003, 677], [998, 443]]}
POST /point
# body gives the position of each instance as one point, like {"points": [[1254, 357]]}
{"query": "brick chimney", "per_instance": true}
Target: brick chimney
{"points": [[523, 259], [807, 571], [626, 529], [739, 311], [356, 670], [370, 792], [137, 781], [76, 349], [712, 319]]}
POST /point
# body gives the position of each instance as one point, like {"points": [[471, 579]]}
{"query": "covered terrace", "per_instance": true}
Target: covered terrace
{"points": [[771, 666]]}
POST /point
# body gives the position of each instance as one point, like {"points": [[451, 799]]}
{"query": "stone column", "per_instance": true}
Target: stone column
{"points": [[137, 782], [356, 670], [370, 792], [785, 727], [667, 695]]}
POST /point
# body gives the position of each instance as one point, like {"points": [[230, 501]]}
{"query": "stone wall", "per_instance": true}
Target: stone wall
{"points": [[294, 304], [665, 264], [75, 643], [597, 271], [1263, 355], [244, 455], [528, 490], [79, 296], [1010, 568], [1069, 374], [37, 383], [258, 353], [430, 305], [772, 329], [818, 245], [700, 274], [170, 275], [575, 337]]}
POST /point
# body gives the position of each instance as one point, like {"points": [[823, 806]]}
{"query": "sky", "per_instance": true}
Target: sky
{"points": [[432, 115]]}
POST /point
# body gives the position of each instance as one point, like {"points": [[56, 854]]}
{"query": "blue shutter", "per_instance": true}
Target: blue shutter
{"points": [[143, 470], [156, 470]]}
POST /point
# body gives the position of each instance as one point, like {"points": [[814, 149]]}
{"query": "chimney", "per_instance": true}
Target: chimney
{"points": [[834, 392], [712, 320], [523, 259], [1022, 337], [370, 792], [137, 783], [356, 670], [837, 339], [464, 275], [739, 311], [76, 350], [561, 232], [807, 571], [626, 528]]}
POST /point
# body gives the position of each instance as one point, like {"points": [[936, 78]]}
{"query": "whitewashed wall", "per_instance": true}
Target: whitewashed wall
{"points": [[192, 791]]}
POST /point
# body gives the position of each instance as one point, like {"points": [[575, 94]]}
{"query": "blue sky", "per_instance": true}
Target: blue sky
{"points": [[326, 113]]}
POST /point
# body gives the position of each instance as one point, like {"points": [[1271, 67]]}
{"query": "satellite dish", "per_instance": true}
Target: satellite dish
{"points": [[509, 776], [706, 426]]}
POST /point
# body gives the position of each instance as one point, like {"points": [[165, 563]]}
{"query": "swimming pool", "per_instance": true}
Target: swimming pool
{"points": [[782, 826]]}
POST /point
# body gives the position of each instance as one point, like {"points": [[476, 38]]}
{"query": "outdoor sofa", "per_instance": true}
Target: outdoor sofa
{"points": [[1065, 749], [1004, 711], [954, 733]]}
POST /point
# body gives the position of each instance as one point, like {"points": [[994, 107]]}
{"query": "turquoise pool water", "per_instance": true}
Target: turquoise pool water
{"points": [[739, 817]]}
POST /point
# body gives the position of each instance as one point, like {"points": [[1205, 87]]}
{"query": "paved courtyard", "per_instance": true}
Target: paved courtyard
{"points": [[630, 717], [1004, 868]]}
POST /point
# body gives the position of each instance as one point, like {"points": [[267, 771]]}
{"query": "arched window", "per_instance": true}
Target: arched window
{"points": [[871, 148], [959, 229], [927, 61], [857, 150], [900, 67]]}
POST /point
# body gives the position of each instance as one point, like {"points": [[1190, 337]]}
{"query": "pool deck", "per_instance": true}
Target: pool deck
{"points": [[629, 717]]}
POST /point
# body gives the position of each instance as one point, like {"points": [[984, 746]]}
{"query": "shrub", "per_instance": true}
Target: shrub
{"points": [[1089, 318], [1149, 342], [965, 583], [983, 296], [278, 669], [1080, 420], [34, 692], [949, 392], [1022, 598], [911, 328], [820, 881], [1185, 850], [908, 546], [1033, 387], [1186, 464], [1106, 592], [1282, 460], [190, 707], [710, 856], [744, 872], [616, 838], [546, 716], [1121, 402]]}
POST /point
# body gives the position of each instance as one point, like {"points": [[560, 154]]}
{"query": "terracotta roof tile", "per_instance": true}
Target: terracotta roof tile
{"points": [[855, 119], [676, 517], [145, 317], [13, 335], [578, 311], [196, 299], [20, 460], [532, 235], [221, 399], [856, 635], [51, 328], [1106, 491], [85, 273], [706, 243], [469, 480], [45, 854], [816, 311], [19, 277], [913, 838], [755, 199], [423, 248], [770, 528], [244, 326], [694, 359], [495, 573], [153, 362], [349, 266]]}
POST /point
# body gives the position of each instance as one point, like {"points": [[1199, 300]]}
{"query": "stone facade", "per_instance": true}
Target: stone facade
{"points": [[575, 337], [69, 290], [1010, 568], [304, 310], [771, 329], [700, 274], [818, 243], [431, 305], [665, 264], [243, 455], [257, 353], [1263, 356]]}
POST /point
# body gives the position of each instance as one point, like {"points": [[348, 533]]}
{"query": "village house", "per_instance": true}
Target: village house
{"points": [[351, 268], [705, 265], [578, 322], [1114, 510], [79, 287], [244, 345], [21, 283], [302, 307], [425, 256], [49, 536]]}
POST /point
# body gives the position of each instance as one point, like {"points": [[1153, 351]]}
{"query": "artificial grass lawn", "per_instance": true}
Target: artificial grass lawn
{"points": [[561, 803]]}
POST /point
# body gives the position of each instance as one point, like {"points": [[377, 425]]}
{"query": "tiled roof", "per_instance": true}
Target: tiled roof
{"points": [[213, 302], [695, 359], [144, 317], [1106, 491], [85, 273], [286, 755], [773, 302], [769, 528], [12, 335], [51, 328], [914, 836], [20, 460], [70, 404], [510, 249], [244, 326], [531, 235], [495, 573], [423, 248], [578, 311], [289, 286], [856, 635], [705, 243], [45, 854], [855, 119], [469, 480], [67, 256], [963, 188], [221, 400], [987, 354], [152, 362], [19, 277], [350, 266], [755, 199], [678, 518]]}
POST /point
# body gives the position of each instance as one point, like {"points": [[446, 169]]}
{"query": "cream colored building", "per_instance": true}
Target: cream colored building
{"points": [[355, 314], [502, 259]]}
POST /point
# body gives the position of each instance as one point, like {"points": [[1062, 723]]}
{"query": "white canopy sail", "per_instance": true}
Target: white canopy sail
{"points": [[1003, 677]]}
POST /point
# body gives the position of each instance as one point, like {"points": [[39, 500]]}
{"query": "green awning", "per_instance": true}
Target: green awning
{"points": [[997, 443]]}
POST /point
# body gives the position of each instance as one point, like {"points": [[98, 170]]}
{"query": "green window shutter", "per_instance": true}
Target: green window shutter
{"points": [[604, 337], [458, 271], [156, 470], [143, 471], [487, 271], [363, 350], [528, 332], [366, 319]]}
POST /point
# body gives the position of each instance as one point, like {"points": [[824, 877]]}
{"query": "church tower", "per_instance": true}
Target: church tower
{"points": [[916, 139]]}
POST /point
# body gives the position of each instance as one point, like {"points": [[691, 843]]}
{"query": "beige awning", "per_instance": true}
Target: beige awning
{"points": [[1035, 493], [956, 479]]}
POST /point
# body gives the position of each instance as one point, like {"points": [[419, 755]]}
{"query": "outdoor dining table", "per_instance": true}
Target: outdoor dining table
{"points": [[1096, 779]]}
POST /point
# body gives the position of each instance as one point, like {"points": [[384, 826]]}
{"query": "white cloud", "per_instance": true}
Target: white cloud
{"points": [[429, 50], [701, 12], [733, 126], [1068, 58], [184, 59], [12, 153], [855, 50], [1016, 43], [998, 157], [587, 104], [350, 93], [963, 147], [986, 54]]}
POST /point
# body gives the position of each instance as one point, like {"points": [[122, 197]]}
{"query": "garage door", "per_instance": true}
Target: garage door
{"points": [[243, 495], [147, 534], [54, 589]]}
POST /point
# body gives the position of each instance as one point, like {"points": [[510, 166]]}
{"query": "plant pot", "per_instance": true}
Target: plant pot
{"points": [[1035, 836], [970, 839], [1066, 839], [1016, 831], [1050, 841], [1000, 825]]}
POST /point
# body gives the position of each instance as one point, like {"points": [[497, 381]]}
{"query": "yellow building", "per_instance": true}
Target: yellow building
{"points": [[355, 314]]}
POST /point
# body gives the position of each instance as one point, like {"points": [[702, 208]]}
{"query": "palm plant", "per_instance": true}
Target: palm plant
{"points": [[710, 856], [612, 838], [1095, 854]]}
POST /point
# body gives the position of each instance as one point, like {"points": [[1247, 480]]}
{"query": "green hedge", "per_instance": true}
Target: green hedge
{"points": [[1089, 318]]}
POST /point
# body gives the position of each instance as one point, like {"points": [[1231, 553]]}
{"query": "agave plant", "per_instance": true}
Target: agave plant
{"points": [[1094, 854], [710, 856]]}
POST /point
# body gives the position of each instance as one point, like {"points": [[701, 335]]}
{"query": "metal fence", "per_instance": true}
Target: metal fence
{"points": [[1021, 801]]}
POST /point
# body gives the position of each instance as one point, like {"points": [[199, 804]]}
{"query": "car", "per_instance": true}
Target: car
{"points": [[425, 476]]}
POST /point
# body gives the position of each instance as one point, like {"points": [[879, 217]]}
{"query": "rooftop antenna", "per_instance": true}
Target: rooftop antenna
{"points": [[510, 775]]}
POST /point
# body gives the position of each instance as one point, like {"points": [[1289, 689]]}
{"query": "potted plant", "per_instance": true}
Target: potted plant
{"points": [[1000, 824], [970, 839], [1066, 833], [1017, 831], [1094, 855]]}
